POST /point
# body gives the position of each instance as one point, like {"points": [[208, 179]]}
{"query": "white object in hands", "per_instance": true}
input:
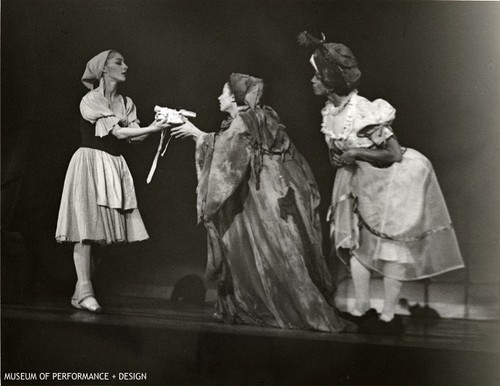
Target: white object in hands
{"points": [[172, 116]]}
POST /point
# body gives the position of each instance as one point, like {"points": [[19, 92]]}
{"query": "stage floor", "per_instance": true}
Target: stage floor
{"points": [[182, 344], [454, 334]]}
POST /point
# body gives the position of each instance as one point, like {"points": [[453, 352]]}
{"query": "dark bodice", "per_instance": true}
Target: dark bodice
{"points": [[110, 144]]}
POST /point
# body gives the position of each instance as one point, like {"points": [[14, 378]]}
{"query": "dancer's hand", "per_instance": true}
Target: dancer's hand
{"points": [[159, 125], [348, 157], [335, 158], [186, 130]]}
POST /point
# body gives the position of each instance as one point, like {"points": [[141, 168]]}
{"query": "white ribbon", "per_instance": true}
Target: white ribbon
{"points": [[173, 117], [158, 153]]}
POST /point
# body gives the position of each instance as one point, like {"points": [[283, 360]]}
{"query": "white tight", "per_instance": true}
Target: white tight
{"points": [[82, 259], [392, 288], [361, 279]]}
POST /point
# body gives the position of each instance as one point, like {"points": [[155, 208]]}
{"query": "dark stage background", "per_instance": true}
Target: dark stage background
{"points": [[437, 63]]}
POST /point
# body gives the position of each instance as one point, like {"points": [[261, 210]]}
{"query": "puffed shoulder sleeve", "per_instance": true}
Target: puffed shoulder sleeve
{"points": [[132, 119], [384, 114], [374, 120]]}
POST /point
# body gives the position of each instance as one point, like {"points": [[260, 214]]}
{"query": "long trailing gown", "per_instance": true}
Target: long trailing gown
{"points": [[258, 199]]}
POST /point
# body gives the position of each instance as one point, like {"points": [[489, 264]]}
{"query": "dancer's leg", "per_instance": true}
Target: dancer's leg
{"points": [[361, 279], [392, 288], [83, 297]]}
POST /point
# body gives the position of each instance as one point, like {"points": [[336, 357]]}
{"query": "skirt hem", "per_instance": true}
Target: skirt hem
{"points": [[460, 266], [64, 239]]}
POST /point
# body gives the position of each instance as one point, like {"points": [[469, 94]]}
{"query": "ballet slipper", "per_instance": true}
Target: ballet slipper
{"points": [[88, 303], [84, 299]]}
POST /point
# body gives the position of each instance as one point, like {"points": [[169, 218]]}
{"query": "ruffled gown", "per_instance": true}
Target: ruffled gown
{"points": [[392, 219]]}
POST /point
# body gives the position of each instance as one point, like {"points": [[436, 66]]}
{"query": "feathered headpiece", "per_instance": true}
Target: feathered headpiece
{"points": [[334, 62]]}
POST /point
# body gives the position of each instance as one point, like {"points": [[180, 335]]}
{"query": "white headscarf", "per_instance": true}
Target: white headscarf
{"points": [[93, 70]]}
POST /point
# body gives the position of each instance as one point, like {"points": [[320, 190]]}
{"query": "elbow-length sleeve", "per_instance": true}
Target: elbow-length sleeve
{"points": [[104, 125], [222, 163]]}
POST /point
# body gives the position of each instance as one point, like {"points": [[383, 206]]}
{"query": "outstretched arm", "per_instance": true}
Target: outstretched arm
{"points": [[139, 132], [187, 130], [138, 139]]}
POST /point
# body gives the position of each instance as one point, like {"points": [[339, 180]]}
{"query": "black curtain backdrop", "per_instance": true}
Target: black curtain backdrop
{"points": [[436, 62]]}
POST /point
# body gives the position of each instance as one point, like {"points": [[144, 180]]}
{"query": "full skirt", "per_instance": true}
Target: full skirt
{"points": [[394, 220], [98, 202]]}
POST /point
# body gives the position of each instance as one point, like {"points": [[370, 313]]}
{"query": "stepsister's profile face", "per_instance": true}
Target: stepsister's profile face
{"points": [[226, 99], [115, 67], [318, 87]]}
